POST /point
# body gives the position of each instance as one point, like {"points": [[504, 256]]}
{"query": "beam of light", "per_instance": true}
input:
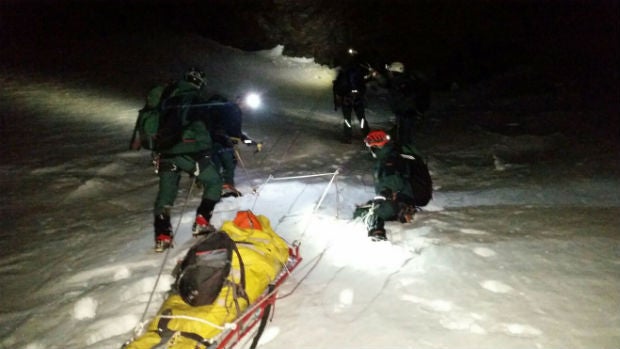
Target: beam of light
{"points": [[53, 98], [253, 100]]}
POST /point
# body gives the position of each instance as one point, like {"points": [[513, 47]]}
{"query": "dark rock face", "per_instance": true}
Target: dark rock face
{"points": [[466, 39], [569, 48], [451, 40]]}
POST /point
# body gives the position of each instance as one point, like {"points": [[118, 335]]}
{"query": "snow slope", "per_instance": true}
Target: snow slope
{"points": [[514, 251]]}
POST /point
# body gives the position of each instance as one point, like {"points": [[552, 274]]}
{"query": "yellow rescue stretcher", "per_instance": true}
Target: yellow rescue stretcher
{"points": [[266, 259]]}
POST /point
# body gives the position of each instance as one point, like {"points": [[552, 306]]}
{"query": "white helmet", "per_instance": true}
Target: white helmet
{"points": [[397, 67]]}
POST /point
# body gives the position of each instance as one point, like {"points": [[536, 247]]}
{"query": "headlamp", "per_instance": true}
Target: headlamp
{"points": [[252, 100]]}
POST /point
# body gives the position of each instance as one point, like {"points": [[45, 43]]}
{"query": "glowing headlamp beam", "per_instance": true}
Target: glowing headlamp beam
{"points": [[253, 100]]}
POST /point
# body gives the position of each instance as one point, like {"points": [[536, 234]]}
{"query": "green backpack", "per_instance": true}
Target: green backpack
{"points": [[147, 124]]}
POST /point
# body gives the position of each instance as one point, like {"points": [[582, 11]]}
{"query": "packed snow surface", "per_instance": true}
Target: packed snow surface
{"points": [[514, 251]]}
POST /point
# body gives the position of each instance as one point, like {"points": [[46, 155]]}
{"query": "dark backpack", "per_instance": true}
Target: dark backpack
{"points": [[205, 270], [419, 177], [149, 117], [348, 80], [174, 118]]}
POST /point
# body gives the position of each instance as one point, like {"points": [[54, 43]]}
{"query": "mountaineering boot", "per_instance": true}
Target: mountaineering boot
{"points": [[163, 242], [163, 232], [377, 235], [202, 226], [406, 213], [230, 190], [203, 214]]}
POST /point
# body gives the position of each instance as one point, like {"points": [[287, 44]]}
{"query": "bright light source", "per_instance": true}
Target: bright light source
{"points": [[253, 100]]}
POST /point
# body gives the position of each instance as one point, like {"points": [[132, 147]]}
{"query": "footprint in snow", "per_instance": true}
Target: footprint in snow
{"points": [[437, 305], [462, 322], [473, 231], [520, 330], [495, 286], [345, 300], [484, 252], [85, 308]]}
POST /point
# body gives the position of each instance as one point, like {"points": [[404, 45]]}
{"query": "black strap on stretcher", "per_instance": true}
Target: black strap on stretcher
{"points": [[263, 320]]}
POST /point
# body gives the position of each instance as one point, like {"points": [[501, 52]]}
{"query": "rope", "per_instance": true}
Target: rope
{"points": [[319, 257], [167, 254], [256, 197], [325, 191], [270, 178], [197, 319], [318, 205], [314, 265], [305, 176], [238, 156]]}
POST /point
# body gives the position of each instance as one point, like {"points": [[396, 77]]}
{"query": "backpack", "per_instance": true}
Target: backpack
{"points": [[417, 172], [349, 79], [205, 270], [149, 117]]}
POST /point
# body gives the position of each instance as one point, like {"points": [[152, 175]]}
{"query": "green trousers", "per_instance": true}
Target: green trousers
{"points": [[376, 212], [170, 170]]}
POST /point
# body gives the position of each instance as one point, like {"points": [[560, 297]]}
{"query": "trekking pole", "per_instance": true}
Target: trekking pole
{"points": [[238, 156], [163, 263], [134, 135], [263, 185], [245, 170]]}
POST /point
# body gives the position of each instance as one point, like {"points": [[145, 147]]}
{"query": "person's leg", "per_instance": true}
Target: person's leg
{"points": [[228, 163], [347, 132], [361, 211], [212, 190], [360, 112], [380, 212], [169, 177], [216, 157]]}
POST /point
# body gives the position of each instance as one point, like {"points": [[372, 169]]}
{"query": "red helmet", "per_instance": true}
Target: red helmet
{"points": [[377, 138]]}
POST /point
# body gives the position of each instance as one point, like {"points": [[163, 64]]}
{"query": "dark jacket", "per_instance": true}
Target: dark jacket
{"points": [[389, 173], [349, 87], [408, 95], [225, 121]]}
